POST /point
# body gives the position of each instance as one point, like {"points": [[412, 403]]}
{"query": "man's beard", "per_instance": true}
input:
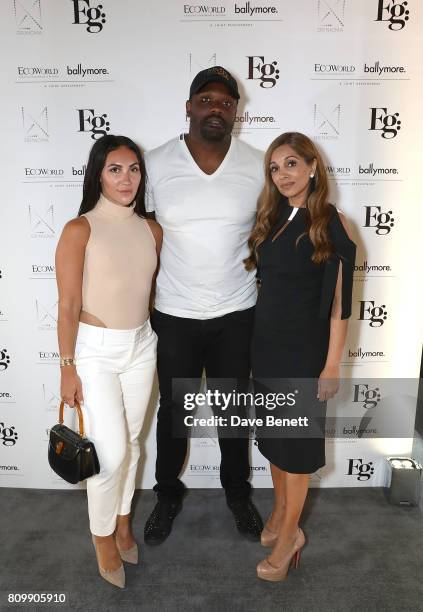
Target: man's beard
{"points": [[215, 133]]}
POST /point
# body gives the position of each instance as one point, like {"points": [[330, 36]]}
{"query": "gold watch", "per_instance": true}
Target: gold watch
{"points": [[64, 361]]}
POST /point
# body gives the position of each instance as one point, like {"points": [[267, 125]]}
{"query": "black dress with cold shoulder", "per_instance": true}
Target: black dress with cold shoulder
{"points": [[291, 334]]}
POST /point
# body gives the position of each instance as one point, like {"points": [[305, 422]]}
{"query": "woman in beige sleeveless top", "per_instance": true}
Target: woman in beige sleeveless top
{"points": [[106, 261]]}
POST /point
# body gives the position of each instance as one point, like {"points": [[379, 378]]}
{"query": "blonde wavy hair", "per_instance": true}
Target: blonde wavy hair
{"points": [[318, 208]]}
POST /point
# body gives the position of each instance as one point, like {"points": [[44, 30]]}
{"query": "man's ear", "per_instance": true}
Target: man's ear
{"points": [[188, 108]]}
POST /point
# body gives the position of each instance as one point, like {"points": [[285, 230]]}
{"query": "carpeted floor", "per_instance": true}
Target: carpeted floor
{"points": [[363, 555]]}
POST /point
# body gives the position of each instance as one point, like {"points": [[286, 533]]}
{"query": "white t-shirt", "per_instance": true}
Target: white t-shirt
{"points": [[206, 221]]}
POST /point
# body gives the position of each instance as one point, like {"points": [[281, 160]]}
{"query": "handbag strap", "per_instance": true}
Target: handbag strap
{"points": [[80, 417]]}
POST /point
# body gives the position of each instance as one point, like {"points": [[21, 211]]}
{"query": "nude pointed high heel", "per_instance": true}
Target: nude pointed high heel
{"points": [[115, 577], [272, 573], [130, 555]]}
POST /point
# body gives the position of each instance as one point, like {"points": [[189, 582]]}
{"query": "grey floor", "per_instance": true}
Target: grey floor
{"points": [[363, 555]]}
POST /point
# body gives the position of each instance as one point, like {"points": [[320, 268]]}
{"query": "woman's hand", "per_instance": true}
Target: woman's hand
{"points": [[70, 386], [328, 383]]}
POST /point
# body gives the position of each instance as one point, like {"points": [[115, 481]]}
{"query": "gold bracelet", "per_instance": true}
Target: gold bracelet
{"points": [[64, 361]]}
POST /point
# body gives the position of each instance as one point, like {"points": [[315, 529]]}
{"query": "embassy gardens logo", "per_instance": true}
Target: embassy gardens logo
{"points": [[28, 16], [331, 15], [327, 121], [35, 125]]}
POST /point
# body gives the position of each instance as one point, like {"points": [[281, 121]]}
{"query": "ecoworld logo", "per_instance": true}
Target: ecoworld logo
{"points": [[43, 172], [46, 315], [364, 267], [90, 14], [205, 10], [89, 122], [253, 11], [35, 125], [393, 12], [39, 72], [367, 396], [8, 435], [362, 354], [4, 360], [363, 471], [327, 122], [48, 357], [378, 69], [42, 271], [334, 171], [372, 171], [265, 72], [248, 119], [331, 15], [42, 225], [86, 72], [193, 467], [375, 218], [9, 468], [381, 121], [334, 68], [28, 16], [375, 315]]}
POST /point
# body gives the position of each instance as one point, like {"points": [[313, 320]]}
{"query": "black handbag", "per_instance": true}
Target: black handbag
{"points": [[70, 454]]}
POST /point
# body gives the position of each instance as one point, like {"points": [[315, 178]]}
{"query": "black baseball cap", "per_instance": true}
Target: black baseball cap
{"points": [[215, 74]]}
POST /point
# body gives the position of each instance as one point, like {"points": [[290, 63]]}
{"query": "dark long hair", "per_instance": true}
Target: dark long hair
{"points": [[97, 158]]}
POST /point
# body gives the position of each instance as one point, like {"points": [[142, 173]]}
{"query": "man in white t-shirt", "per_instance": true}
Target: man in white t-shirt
{"points": [[203, 188]]}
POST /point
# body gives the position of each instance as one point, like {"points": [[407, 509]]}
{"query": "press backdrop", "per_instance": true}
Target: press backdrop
{"points": [[344, 72]]}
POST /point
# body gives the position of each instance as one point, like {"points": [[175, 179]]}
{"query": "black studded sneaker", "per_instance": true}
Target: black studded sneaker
{"points": [[159, 523], [247, 519]]}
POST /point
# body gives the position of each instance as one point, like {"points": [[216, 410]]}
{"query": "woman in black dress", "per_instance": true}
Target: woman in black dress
{"points": [[305, 263]]}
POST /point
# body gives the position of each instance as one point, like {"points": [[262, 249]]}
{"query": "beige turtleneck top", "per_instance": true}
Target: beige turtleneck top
{"points": [[120, 260]]}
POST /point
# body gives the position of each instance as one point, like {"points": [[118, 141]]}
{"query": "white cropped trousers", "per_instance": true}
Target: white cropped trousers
{"points": [[116, 368]]}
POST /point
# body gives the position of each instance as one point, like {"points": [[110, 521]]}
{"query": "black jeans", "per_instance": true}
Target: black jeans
{"points": [[185, 347]]}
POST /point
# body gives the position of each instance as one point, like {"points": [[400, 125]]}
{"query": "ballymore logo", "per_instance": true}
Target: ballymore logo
{"points": [[379, 69], [248, 119], [327, 122], [331, 15], [253, 11], [89, 122], [361, 353], [89, 13], [35, 125], [393, 12], [28, 16]]}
